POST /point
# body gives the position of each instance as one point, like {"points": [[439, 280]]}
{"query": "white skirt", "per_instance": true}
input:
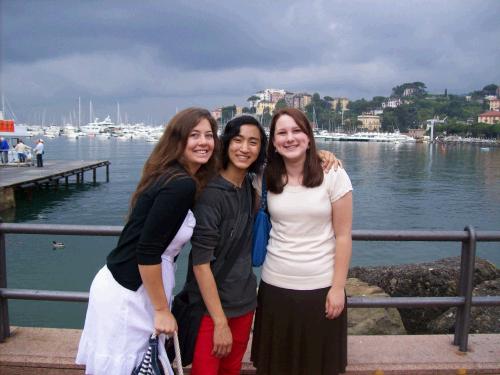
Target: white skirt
{"points": [[118, 325]]}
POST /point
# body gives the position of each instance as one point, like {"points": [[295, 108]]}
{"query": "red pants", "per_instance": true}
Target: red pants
{"points": [[204, 363]]}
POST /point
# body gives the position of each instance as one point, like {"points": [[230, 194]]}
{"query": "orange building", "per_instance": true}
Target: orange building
{"points": [[491, 117]]}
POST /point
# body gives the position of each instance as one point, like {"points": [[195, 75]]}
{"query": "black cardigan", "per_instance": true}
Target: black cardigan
{"points": [[155, 220]]}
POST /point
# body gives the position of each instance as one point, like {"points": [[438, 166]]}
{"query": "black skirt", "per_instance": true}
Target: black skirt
{"points": [[292, 336]]}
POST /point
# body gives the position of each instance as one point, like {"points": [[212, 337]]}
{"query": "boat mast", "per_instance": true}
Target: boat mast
{"points": [[79, 113], [118, 117], [90, 112]]}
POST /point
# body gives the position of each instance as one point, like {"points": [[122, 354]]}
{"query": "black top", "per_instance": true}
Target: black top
{"points": [[224, 219], [155, 220]]}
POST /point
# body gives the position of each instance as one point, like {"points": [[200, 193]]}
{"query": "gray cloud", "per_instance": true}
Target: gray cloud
{"points": [[154, 57]]}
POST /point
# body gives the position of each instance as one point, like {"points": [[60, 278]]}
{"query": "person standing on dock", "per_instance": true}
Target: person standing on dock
{"points": [[21, 149], [301, 318], [39, 151], [131, 295], [4, 150]]}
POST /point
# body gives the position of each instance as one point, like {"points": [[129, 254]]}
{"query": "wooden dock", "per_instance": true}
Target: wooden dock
{"points": [[52, 173]]}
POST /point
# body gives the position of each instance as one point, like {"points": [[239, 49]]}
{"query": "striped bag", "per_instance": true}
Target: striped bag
{"points": [[153, 363]]}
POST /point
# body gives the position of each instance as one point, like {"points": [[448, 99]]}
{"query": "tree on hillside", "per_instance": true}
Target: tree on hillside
{"points": [[227, 113], [319, 110], [357, 107], [377, 101], [419, 87], [253, 99], [328, 98], [280, 104], [490, 89], [266, 117]]}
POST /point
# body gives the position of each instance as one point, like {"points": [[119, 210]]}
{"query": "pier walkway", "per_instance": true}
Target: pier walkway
{"points": [[22, 176], [51, 172], [49, 351]]}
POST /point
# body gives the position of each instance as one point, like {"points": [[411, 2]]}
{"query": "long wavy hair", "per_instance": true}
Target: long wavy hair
{"points": [[170, 148], [275, 172]]}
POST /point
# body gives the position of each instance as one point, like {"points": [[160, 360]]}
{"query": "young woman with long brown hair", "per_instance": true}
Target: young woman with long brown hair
{"points": [[130, 296], [301, 320]]}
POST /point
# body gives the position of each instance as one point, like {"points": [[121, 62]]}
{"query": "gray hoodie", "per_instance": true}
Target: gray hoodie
{"points": [[224, 220]]}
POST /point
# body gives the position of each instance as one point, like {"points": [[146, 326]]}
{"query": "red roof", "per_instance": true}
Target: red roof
{"points": [[490, 114]]}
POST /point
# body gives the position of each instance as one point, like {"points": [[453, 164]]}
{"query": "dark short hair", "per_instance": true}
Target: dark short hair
{"points": [[232, 129]]}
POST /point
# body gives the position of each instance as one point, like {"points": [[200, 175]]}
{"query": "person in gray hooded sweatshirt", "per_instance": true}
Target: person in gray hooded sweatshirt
{"points": [[224, 218]]}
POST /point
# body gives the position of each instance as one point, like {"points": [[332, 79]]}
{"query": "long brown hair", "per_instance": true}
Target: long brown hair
{"points": [[276, 176], [170, 148]]}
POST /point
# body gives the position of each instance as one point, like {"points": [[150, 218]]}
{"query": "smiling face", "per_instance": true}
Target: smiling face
{"points": [[244, 148], [289, 139], [199, 147]]}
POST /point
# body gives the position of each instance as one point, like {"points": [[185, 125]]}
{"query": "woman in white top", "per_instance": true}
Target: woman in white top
{"points": [[301, 319]]}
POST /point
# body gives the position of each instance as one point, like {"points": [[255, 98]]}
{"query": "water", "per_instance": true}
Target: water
{"points": [[396, 186]]}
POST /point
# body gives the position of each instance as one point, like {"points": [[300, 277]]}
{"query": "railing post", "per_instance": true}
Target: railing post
{"points": [[463, 322], [4, 308], [461, 289]]}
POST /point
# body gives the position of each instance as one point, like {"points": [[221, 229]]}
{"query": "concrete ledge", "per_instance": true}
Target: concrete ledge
{"points": [[48, 351]]}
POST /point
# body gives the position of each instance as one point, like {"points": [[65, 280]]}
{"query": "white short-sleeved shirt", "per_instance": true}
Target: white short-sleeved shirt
{"points": [[301, 248]]}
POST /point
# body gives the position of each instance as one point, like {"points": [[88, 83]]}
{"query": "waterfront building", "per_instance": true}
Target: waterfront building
{"points": [[416, 133], [369, 122], [490, 117]]}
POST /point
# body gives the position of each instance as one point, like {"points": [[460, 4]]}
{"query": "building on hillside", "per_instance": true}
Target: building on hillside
{"points": [[490, 117], [409, 91], [277, 95], [336, 102], [495, 104], [377, 112], [262, 105], [216, 113], [301, 100], [239, 110], [392, 103], [369, 123], [271, 95], [289, 98]]}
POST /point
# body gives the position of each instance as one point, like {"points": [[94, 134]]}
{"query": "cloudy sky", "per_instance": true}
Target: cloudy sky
{"points": [[154, 57]]}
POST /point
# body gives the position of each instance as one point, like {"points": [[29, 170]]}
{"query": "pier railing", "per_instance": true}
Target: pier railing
{"points": [[463, 301]]}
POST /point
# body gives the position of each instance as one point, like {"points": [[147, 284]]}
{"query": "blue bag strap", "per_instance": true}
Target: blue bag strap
{"points": [[263, 194]]}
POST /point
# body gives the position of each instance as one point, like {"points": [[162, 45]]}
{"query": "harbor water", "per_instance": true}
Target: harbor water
{"points": [[396, 186]]}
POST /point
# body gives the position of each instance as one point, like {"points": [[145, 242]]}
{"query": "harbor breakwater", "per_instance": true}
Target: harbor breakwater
{"points": [[436, 279]]}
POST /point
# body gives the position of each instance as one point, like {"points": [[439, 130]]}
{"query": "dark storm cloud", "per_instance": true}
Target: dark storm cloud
{"points": [[154, 56]]}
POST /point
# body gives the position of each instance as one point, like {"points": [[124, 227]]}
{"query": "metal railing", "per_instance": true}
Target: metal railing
{"points": [[464, 301]]}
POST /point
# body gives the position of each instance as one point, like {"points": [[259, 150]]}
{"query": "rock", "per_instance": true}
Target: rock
{"points": [[376, 321], [483, 319], [433, 279]]}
